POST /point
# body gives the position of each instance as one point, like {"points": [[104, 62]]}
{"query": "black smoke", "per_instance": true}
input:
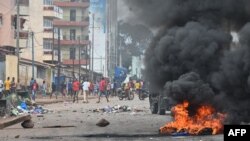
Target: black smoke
{"points": [[192, 57]]}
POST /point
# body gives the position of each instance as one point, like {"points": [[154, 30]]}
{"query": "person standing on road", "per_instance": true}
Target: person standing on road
{"points": [[102, 90], [44, 89], [13, 85], [18, 86], [76, 86], [85, 88], [91, 88], [7, 86], [69, 89], [34, 89]]}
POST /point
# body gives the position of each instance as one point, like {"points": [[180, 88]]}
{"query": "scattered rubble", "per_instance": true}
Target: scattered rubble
{"points": [[102, 123], [117, 109]]}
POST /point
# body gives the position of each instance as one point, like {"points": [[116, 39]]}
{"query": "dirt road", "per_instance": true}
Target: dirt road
{"points": [[81, 121]]}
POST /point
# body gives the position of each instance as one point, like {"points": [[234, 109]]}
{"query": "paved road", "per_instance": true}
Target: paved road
{"points": [[82, 120]]}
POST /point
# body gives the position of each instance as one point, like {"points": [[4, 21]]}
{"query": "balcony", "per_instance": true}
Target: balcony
{"points": [[47, 56], [52, 11], [48, 33], [72, 42], [76, 3], [24, 7], [60, 23], [76, 62], [23, 34]]}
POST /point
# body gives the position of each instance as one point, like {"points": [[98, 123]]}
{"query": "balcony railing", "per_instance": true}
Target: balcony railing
{"points": [[53, 11], [82, 37], [76, 62], [76, 3], [76, 18], [23, 34], [24, 2], [58, 23]]}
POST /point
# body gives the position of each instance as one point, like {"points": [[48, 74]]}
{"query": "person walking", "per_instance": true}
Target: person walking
{"points": [[34, 90], [102, 90], [85, 88], [76, 87], [7, 86], [69, 89]]}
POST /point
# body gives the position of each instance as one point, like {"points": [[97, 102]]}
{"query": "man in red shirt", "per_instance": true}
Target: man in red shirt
{"points": [[102, 90], [76, 86]]}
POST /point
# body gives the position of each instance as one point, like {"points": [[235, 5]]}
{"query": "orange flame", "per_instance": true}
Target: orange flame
{"points": [[205, 118]]}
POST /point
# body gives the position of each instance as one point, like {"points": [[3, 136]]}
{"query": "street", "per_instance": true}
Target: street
{"points": [[77, 121]]}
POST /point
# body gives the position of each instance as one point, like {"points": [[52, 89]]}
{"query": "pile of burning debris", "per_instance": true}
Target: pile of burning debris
{"points": [[204, 122]]}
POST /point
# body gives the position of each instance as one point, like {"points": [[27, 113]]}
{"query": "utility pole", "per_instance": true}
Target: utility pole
{"points": [[120, 53], [53, 43], [33, 64], [59, 62], [74, 53], [79, 42], [18, 36], [92, 49]]}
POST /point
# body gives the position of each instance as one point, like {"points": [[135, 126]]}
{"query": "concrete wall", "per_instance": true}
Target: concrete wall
{"points": [[6, 29], [11, 66]]}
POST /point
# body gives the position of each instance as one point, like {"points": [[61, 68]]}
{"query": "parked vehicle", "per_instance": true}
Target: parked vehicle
{"points": [[123, 94], [159, 104]]}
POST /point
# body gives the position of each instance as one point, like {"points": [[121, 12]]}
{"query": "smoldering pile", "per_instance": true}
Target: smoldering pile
{"points": [[195, 36]]}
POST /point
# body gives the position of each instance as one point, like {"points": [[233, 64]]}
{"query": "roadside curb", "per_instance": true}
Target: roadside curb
{"points": [[53, 101]]}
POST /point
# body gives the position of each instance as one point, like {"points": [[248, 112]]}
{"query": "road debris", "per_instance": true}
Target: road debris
{"points": [[28, 124], [102, 123]]}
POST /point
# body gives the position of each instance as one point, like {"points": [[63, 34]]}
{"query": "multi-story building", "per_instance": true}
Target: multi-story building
{"points": [[75, 40], [112, 57], [35, 38]]}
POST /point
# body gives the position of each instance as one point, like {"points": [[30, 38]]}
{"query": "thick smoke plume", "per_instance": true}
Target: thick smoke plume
{"points": [[192, 57]]}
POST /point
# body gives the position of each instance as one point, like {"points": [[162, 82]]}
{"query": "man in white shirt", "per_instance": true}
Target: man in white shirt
{"points": [[85, 88]]}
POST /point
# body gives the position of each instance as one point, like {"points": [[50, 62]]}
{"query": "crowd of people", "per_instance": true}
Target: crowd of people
{"points": [[86, 88], [72, 88], [9, 86]]}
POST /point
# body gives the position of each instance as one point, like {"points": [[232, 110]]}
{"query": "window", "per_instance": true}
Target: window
{"points": [[1, 19], [72, 53], [72, 15], [41, 72], [47, 23], [47, 44], [47, 2], [72, 34]]}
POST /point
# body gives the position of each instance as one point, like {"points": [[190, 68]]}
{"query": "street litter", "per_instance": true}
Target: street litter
{"points": [[17, 105], [114, 109]]}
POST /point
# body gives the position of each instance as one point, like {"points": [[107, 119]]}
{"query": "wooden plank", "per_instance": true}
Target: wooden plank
{"points": [[14, 120]]}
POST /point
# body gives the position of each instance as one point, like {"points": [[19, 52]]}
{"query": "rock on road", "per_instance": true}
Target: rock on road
{"points": [[77, 122]]}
